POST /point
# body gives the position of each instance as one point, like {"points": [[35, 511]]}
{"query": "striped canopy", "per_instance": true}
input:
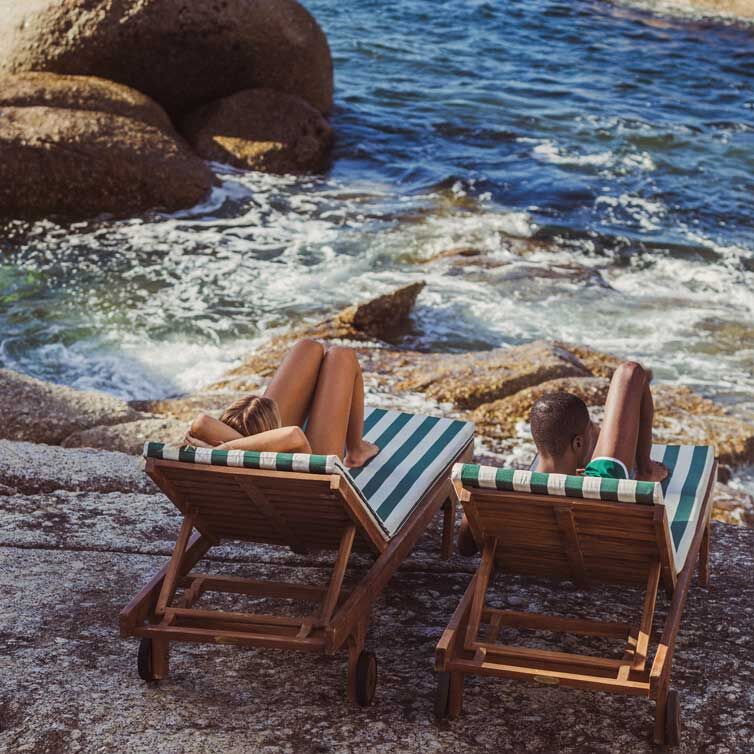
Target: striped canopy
{"points": [[414, 451], [682, 492]]}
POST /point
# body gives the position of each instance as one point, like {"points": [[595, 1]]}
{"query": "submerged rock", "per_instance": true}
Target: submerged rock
{"points": [[261, 129], [78, 146], [181, 53], [42, 412]]}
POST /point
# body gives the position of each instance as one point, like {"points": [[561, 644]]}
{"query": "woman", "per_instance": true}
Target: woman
{"points": [[323, 386]]}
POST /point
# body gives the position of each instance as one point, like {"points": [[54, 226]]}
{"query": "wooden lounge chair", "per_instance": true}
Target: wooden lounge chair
{"points": [[307, 503], [583, 530]]}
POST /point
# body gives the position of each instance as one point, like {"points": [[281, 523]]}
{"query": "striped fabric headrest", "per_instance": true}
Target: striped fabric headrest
{"points": [[562, 485], [247, 459]]}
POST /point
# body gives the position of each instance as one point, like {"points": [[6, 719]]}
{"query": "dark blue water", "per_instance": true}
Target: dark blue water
{"points": [[549, 106], [600, 157]]}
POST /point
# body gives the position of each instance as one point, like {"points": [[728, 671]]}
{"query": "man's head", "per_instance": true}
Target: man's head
{"points": [[562, 429]]}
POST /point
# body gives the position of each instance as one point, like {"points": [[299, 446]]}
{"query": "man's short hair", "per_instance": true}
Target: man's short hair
{"points": [[556, 418]]}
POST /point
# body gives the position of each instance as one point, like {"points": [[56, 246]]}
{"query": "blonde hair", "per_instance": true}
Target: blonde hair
{"points": [[252, 414]]}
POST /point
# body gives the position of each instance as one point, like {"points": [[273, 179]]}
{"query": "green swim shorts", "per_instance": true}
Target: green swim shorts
{"points": [[607, 468]]}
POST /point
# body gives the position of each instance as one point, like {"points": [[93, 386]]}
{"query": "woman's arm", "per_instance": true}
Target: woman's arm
{"points": [[282, 440], [212, 431]]}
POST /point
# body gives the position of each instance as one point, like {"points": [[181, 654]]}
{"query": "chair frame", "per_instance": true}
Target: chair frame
{"points": [[338, 618], [469, 644]]}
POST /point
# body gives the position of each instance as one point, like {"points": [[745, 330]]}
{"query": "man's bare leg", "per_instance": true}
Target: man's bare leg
{"points": [[626, 432], [336, 420], [293, 384]]}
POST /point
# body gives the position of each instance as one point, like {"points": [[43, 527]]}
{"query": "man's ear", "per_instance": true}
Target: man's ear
{"points": [[578, 443]]}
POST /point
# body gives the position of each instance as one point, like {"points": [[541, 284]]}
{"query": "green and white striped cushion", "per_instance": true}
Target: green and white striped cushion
{"points": [[682, 492], [414, 452]]}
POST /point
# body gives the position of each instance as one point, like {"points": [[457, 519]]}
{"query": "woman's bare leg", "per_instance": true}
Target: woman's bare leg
{"points": [[336, 420], [293, 384]]}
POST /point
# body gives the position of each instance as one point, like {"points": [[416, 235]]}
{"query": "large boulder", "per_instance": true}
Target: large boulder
{"points": [[38, 411], [129, 437], [261, 129], [81, 93], [182, 53], [470, 379], [78, 147]]}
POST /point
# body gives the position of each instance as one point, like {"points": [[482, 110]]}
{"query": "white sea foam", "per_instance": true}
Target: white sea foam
{"points": [[264, 253], [607, 162], [647, 214]]}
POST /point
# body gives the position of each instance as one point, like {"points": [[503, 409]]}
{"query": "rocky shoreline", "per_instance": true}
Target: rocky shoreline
{"points": [[494, 389], [82, 529]]}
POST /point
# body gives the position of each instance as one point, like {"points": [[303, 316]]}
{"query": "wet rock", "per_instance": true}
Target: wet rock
{"points": [[261, 129], [42, 412], [359, 325], [498, 420], [182, 54], [468, 380], [81, 163], [382, 315], [30, 469], [129, 437], [90, 93]]}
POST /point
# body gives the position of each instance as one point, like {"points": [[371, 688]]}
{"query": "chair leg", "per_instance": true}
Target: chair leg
{"points": [[704, 556], [448, 526], [356, 642], [455, 702], [160, 658], [660, 707]]}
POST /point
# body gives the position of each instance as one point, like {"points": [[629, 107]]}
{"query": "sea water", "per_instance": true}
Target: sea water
{"points": [[599, 156]]}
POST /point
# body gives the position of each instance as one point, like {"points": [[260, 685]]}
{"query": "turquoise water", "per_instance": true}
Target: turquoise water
{"points": [[601, 156]]}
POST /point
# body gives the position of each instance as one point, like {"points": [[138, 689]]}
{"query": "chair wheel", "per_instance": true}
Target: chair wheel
{"points": [[144, 660], [366, 678], [442, 696], [672, 719]]}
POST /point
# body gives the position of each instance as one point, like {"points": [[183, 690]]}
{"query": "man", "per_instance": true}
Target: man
{"points": [[568, 442]]}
